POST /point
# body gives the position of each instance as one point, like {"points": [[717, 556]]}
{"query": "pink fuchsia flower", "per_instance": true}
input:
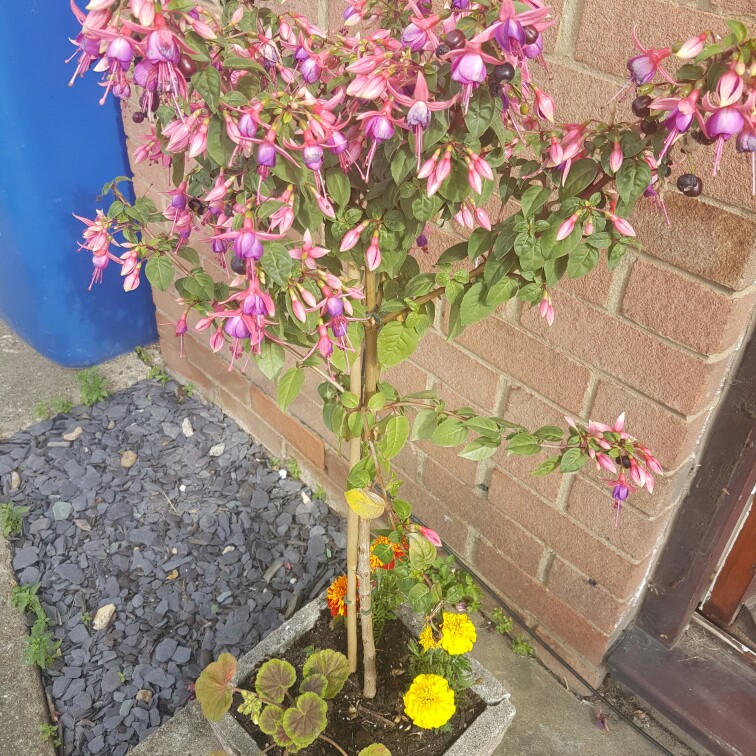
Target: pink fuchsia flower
{"points": [[544, 105], [644, 67], [373, 253], [308, 253], [351, 237], [615, 158], [566, 227]]}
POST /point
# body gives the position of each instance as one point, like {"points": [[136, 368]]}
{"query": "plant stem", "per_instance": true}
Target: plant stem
{"points": [[355, 386], [372, 372], [334, 744]]}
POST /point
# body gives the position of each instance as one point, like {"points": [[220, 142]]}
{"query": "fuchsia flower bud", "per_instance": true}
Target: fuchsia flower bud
{"points": [[692, 47], [566, 227], [351, 237], [544, 105], [373, 253], [616, 158], [430, 535]]}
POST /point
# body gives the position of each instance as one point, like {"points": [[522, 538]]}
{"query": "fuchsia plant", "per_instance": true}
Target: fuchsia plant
{"points": [[313, 164]]}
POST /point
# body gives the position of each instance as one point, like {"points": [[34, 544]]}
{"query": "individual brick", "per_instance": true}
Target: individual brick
{"points": [[466, 375], [566, 537], [677, 378], [701, 317], [260, 429], [529, 361], [582, 593], [593, 674], [507, 537], [406, 377], [457, 497]]}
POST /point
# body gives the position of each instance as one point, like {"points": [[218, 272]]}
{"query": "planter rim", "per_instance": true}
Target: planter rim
{"points": [[479, 739]]}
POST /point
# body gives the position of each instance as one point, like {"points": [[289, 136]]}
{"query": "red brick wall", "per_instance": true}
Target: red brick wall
{"points": [[657, 338]]}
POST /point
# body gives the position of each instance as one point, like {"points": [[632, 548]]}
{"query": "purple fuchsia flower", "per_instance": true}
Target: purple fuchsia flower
{"points": [[722, 125], [682, 111], [88, 50], [644, 67], [420, 109]]}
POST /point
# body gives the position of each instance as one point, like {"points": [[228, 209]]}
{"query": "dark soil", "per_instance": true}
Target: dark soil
{"points": [[354, 722]]}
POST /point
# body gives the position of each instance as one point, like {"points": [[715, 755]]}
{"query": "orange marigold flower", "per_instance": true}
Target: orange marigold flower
{"points": [[375, 562], [336, 597]]}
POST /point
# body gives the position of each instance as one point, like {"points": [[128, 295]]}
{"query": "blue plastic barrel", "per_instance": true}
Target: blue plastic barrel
{"points": [[58, 147]]}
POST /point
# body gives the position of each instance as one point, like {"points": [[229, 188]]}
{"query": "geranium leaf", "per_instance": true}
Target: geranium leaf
{"points": [[377, 749], [305, 721], [315, 683], [270, 719], [214, 689], [274, 679], [333, 665]]}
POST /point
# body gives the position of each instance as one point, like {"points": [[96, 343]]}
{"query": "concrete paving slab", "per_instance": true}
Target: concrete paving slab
{"points": [[187, 734]]}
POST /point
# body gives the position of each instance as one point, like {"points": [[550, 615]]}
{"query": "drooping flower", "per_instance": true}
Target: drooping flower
{"points": [[429, 702], [458, 634]]}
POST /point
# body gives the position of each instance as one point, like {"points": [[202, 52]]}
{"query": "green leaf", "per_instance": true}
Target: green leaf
{"points": [[395, 436], [502, 291], [485, 426], [271, 359], [304, 722], [274, 678], [547, 466], [550, 433], [383, 552], [242, 64], [453, 254], [481, 448], [402, 509], [474, 305], [533, 199], [190, 255], [523, 444], [277, 263], [219, 146], [396, 342], [338, 187], [480, 113], [582, 261], [314, 683], [270, 719], [159, 272], [451, 432], [333, 665], [290, 386], [208, 83], [213, 688], [422, 552], [633, 178], [572, 460], [479, 243], [419, 597], [425, 423], [362, 474], [739, 29], [401, 165], [581, 174]]}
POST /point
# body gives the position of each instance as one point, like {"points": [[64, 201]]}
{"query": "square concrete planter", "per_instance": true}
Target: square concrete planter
{"points": [[480, 739]]}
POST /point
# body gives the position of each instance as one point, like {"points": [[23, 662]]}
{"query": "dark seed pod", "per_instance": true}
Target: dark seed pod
{"points": [[531, 34], [625, 462], [455, 39], [690, 184], [441, 50], [649, 126], [187, 67], [138, 116], [640, 106], [238, 265], [503, 73]]}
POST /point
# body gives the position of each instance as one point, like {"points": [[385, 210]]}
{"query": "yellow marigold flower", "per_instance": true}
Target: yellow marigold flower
{"points": [[429, 702], [458, 634], [376, 563], [426, 638], [335, 596]]}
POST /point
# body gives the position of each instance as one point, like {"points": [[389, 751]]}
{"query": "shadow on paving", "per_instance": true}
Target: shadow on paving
{"points": [[165, 508]]}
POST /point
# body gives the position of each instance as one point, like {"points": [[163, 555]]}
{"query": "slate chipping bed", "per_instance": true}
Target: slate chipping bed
{"points": [[247, 545]]}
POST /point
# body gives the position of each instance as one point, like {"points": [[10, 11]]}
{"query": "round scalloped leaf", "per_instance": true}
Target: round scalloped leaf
{"points": [[365, 503], [274, 679], [214, 689], [305, 721], [333, 664], [377, 749], [315, 683], [270, 719], [284, 740]]}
